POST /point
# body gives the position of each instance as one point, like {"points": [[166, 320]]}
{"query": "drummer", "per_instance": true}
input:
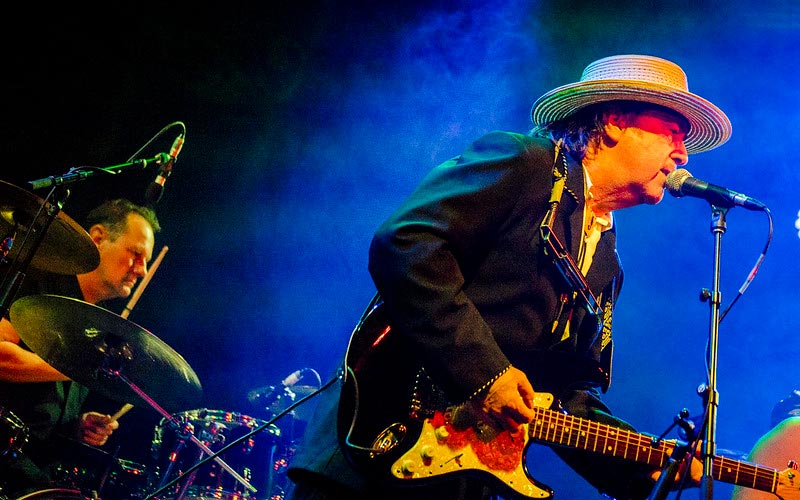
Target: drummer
{"points": [[45, 400]]}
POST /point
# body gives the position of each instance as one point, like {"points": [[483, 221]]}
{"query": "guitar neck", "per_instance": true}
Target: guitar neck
{"points": [[573, 432]]}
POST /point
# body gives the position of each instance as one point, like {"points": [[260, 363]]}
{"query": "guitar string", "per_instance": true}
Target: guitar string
{"points": [[566, 423]]}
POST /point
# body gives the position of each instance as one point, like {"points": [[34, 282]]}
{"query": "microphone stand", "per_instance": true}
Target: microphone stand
{"points": [[680, 454], [80, 173], [714, 298]]}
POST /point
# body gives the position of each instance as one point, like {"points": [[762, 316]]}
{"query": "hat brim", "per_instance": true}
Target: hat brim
{"points": [[709, 127]]}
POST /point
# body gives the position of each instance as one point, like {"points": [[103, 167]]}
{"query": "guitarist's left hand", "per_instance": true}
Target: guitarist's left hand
{"points": [[695, 470], [510, 400]]}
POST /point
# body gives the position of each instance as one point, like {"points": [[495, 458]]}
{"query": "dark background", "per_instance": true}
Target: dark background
{"points": [[308, 122]]}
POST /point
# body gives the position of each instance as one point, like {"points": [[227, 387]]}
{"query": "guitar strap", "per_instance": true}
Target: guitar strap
{"points": [[554, 247], [601, 307], [559, 177]]}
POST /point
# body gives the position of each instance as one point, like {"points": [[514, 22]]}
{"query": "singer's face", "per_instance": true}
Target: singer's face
{"points": [[123, 260], [650, 146]]}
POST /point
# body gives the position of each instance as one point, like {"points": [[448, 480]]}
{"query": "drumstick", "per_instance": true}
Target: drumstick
{"points": [[129, 307], [140, 289], [122, 411]]}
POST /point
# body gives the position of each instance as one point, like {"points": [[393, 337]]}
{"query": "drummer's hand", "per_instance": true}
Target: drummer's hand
{"points": [[95, 428]]}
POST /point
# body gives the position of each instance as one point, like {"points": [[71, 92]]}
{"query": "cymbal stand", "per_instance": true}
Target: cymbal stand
{"points": [[16, 272], [186, 483], [182, 434], [714, 298], [114, 371]]}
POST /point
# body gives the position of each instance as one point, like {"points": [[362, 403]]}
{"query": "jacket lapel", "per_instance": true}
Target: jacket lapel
{"points": [[605, 264], [570, 201]]}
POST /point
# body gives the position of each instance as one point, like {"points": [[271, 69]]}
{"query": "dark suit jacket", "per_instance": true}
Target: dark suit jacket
{"points": [[467, 287], [462, 273]]}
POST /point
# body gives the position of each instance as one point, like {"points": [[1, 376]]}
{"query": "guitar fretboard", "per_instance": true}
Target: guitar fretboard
{"points": [[573, 432]]}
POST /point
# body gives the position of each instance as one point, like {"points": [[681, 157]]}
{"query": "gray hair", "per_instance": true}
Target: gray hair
{"points": [[113, 214], [584, 128]]}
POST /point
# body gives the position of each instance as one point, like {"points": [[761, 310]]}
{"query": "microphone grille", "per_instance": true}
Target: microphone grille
{"points": [[153, 193], [675, 181]]}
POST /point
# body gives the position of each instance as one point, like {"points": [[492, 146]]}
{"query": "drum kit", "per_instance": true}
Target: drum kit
{"points": [[196, 454]]}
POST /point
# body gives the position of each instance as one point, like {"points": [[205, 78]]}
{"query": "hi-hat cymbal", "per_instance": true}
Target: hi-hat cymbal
{"points": [[91, 345], [275, 399], [66, 248]]}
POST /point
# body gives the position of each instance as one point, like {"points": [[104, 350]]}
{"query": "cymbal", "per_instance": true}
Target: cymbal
{"points": [[92, 346], [66, 248], [275, 399], [303, 390]]}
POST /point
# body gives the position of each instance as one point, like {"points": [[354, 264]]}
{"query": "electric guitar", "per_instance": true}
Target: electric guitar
{"points": [[393, 423]]}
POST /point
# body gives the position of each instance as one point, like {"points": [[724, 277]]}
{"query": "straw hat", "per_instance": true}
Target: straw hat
{"points": [[638, 78]]}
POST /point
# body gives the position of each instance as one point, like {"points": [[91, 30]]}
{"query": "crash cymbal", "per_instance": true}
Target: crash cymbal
{"points": [[90, 345], [66, 248]]}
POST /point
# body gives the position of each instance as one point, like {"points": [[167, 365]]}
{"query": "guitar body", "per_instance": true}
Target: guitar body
{"points": [[458, 441], [391, 418], [374, 423], [394, 423]]}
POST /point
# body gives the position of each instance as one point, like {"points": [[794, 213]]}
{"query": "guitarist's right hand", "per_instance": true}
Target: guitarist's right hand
{"points": [[509, 400]]}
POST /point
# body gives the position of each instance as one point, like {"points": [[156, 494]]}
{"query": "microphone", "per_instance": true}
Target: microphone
{"points": [[681, 183], [155, 189], [271, 392], [293, 378]]}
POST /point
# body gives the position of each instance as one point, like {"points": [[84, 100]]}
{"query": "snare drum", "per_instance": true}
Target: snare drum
{"points": [[13, 433], [175, 453]]}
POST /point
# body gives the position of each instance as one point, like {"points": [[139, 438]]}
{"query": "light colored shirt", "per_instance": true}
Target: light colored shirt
{"points": [[593, 226]]}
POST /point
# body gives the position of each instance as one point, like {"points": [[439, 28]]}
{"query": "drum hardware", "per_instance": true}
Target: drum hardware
{"points": [[49, 239], [14, 433], [5, 247], [182, 436], [65, 247], [230, 434], [285, 403], [54, 494], [204, 449], [278, 462], [99, 474], [89, 344], [280, 459], [111, 356], [275, 398], [105, 352], [119, 476], [287, 399]]}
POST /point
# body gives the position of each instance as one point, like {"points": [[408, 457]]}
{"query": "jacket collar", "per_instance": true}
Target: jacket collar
{"points": [[606, 261]]}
